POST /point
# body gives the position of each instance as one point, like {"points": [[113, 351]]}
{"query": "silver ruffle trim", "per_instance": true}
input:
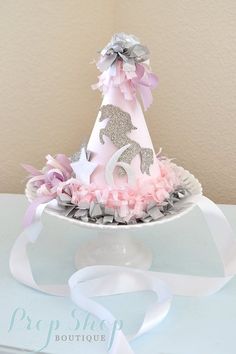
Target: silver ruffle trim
{"points": [[99, 214]]}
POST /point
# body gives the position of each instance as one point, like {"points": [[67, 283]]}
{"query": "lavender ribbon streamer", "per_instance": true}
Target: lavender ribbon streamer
{"points": [[109, 280]]}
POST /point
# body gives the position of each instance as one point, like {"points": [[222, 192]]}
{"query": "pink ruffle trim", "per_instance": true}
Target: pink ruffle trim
{"points": [[130, 202], [57, 179]]}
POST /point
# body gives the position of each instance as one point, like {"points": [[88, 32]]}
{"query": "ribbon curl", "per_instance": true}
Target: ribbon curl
{"points": [[124, 64], [42, 185]]}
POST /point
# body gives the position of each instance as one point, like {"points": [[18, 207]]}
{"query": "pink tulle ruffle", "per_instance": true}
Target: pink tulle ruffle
{"points": [[130, 202], [57, 178]]}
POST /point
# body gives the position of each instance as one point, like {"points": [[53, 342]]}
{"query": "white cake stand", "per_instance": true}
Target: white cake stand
{"points": [[116, 245]]}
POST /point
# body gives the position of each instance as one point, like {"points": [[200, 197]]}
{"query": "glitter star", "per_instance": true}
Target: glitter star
{"points": [[83, 168]]}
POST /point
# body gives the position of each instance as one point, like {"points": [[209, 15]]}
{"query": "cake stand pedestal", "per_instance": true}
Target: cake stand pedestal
{"points": [[114, 247], [118, 245]]}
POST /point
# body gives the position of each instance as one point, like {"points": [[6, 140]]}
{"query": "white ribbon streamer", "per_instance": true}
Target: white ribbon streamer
{"points": [[109, 280]]}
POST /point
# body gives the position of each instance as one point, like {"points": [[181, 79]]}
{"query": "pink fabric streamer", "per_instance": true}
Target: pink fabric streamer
{"points": [[30, 212], [142, 80]]}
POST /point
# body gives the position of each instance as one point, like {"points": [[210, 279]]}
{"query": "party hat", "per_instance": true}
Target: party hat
{"points": [[116, 177], [120, 142]]}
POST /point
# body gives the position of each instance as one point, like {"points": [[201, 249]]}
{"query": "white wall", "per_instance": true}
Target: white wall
{"points": [[47, 105]]}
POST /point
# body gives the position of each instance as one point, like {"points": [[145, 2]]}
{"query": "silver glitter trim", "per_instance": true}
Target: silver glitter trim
{"points": [[117, 128], [76, 156]]}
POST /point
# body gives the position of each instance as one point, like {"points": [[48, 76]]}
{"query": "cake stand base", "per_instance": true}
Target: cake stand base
{"points": [[118, 245], [113, 248]]}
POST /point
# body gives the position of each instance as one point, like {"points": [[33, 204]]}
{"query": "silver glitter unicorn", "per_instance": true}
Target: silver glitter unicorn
{"points": [[117, 128]]}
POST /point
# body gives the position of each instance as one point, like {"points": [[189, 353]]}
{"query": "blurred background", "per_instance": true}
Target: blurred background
{"points": [[47, 105]]}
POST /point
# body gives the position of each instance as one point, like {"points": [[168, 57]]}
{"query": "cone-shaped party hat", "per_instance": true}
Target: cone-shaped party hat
{"points": [[116, 178], [120, 142]]}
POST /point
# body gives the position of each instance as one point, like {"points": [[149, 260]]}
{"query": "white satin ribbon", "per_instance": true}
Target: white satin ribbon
{"points": [[109, 280]]}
